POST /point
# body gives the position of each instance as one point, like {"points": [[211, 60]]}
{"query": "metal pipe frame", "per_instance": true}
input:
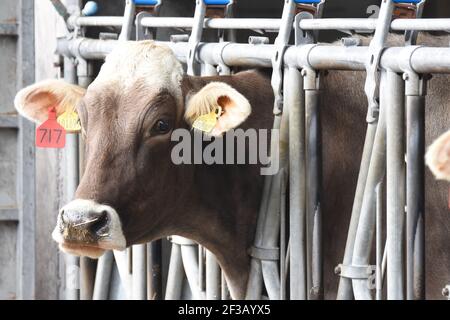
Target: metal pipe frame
{"points": [[320, 57], [273, 25]]}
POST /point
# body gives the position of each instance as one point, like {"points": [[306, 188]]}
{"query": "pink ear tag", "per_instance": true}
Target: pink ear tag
{"points": [[50, 134]]}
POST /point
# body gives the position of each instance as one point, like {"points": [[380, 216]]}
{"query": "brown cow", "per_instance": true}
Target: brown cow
{"points": [[438, 157], [131, 192]]}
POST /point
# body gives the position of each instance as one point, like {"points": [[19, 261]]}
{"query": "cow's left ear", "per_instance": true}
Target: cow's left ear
{"points": [[438, 157], [230, 106]]}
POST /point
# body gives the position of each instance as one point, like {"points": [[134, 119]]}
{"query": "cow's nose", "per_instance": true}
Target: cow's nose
{"points": [[94, 222]]}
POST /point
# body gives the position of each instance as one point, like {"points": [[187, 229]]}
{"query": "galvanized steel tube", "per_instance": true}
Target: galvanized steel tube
{"points": [[294, 94], [175, 274], [366, 225], [103, 276], [139, 274], [415, 197], [395, 186]]}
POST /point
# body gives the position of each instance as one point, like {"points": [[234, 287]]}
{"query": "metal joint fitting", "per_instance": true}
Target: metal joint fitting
{"points": [[222, 67], [415, 85]]}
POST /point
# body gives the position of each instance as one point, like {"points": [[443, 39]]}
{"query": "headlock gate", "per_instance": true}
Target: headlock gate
{"points": [[289, 264]]}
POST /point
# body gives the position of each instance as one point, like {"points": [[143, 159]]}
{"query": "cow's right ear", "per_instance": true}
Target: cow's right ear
{"points": [[438, 157], [33, 102]]}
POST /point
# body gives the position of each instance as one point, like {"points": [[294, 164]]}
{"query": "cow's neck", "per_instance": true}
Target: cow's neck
{"points": [[223, 218]]}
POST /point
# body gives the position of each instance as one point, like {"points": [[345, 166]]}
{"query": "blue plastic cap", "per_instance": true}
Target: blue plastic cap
{"points": [[408, 1], [307, 1], [216, 2], [90, 8], [146, 2]]}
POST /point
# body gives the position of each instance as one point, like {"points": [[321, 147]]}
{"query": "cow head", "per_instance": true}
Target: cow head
{"points": [[130, 191], [438, 157]]}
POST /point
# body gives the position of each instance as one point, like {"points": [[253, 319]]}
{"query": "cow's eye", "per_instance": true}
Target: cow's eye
{"points": [[161, 127]]}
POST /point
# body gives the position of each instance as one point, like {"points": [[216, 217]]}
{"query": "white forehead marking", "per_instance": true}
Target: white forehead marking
{"points": [[131, 61]]}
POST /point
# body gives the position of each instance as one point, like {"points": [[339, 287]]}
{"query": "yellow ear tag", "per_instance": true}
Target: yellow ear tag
{"points": [[70, 121], [208, 121]]}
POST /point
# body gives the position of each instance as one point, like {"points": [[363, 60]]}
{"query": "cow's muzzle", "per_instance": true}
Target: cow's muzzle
{"points": [[87, 228]]}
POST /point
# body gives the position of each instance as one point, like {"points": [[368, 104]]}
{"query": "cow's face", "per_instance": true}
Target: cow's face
{"points": [[130, 191]]}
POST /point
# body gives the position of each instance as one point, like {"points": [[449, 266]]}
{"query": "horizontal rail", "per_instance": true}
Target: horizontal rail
{"points": [[366, 24], [8, 121], [8, 29], [320, 57]]}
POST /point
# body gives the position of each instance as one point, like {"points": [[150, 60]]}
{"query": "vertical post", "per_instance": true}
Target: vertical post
{"points": [[415, 188], [128, 19], [395, 188], [175, 274], [154, 268], [297, 184], [103, 276], [72, 167], [139, 274], [313, 190], [366, 224], [26, 264]]}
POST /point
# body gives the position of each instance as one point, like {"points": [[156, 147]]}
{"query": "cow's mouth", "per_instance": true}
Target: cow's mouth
{"points": [[77, 249], [86, 228]]}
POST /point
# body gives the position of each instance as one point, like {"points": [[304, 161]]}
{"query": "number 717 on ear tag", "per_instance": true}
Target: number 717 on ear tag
{"points": [[50, 134]]}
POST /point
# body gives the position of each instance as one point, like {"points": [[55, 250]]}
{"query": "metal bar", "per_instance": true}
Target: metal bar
{"points": [[87, 278], [379, 242], [283, 273], [128, 20], [366, 225], [313, 194], [122, 262], [72, 176], [271, 25], [345, 290], [212, 277], [103, 276], [154, 270], [189, 257], [321, 57], [175, 274], [415, 197], [297, 185], [139, 275], [395, 187]]}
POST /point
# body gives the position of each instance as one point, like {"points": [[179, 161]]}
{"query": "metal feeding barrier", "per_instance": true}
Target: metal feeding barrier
{"points": [[394, 75]]}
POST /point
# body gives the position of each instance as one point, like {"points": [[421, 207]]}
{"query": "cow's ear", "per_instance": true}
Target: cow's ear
{"points": [[33, 102], [438, 157], [234, 107]]}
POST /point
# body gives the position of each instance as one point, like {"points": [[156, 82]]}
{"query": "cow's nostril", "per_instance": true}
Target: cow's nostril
{"points": [[97, 227]]}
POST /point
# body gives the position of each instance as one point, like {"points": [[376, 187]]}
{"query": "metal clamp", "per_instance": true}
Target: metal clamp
{"points": [[355, 272], [376, 48], [415, 84], [264, 253], [222, 67]]}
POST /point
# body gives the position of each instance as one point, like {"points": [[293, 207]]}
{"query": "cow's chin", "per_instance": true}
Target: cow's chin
{"points": [[82, 250]]}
